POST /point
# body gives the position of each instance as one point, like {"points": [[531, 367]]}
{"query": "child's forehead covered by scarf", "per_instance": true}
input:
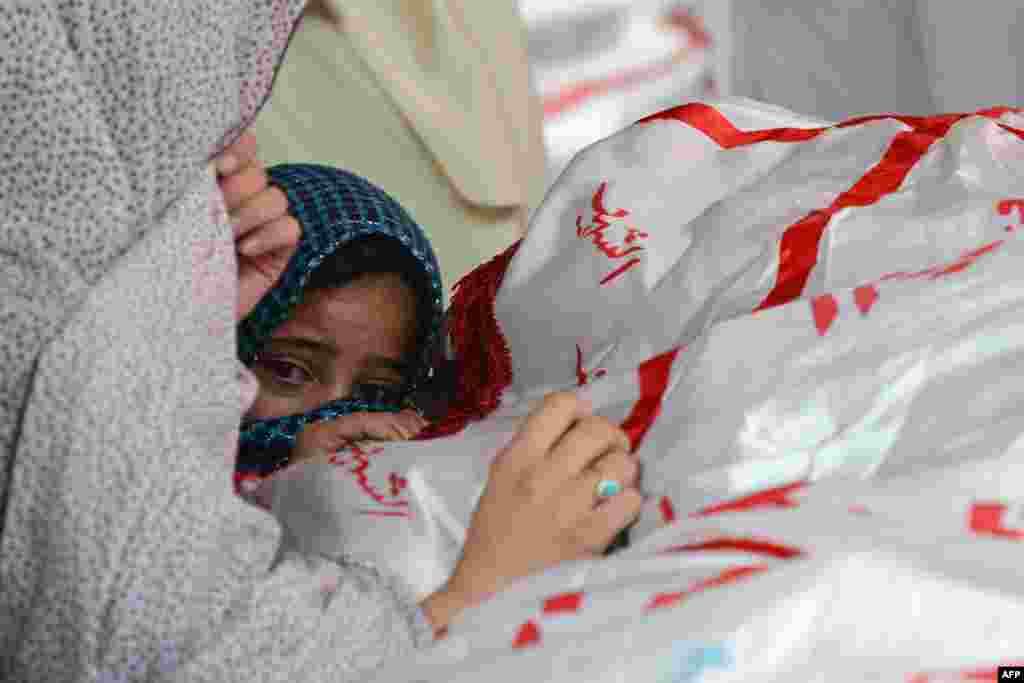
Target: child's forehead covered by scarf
{"points": [[335, 208]]}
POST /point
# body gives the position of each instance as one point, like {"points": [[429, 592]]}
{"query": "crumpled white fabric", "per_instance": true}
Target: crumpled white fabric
{"points": [[830, 447]]}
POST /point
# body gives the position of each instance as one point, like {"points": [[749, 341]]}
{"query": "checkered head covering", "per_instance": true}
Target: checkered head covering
{"points": [[334, 208]]}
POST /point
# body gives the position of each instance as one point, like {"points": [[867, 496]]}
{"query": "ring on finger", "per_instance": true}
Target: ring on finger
{"points": [[608, 488]]}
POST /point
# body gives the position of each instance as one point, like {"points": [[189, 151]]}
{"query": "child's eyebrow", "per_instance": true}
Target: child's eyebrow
{"points": [[322, 348]]}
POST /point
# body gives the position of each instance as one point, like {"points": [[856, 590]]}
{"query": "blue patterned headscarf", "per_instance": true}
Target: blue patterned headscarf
{"points": [[334, 208]]}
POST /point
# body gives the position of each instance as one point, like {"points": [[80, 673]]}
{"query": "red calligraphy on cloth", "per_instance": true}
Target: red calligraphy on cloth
{"points": [[356, 461], [595, 232]]}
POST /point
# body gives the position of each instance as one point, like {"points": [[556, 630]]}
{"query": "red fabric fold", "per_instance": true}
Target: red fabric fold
{"points": [[481, 352]]}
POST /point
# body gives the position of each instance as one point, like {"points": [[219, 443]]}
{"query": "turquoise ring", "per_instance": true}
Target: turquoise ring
{"points": [[607, 488]]}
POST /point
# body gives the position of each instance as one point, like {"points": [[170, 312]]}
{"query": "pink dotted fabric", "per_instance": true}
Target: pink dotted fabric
{"points": [[124, 553]]}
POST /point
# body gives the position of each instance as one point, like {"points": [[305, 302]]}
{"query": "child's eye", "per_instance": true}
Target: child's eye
{"points": [[284, 371]]}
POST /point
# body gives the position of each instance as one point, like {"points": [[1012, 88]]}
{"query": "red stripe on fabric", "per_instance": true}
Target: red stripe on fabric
{"points": [[727, 576], [887, 175], [668, 513], [665, 599], [930, 125], [825, 309], [566, 602], [716, 126], [1006, 208], [746, 545], [987, 519], [967, 260], [528, 634], [383, 513], [713, 124], [999, 112], [778, 496], [865, 297], [653, 377], [798, 251], [1010, 129]]}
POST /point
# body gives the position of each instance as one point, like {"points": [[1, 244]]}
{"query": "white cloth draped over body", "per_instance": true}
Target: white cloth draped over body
{"points": [[812, 332], [875, 407], [124, 553]]}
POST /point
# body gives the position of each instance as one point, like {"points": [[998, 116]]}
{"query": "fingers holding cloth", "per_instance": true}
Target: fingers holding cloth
{"points": [[318, 441], [542, 504], [586, 467], [265, 235]]}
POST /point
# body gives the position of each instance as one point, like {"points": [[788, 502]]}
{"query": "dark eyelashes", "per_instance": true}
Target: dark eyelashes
{"points": [[374, 391], [272, 362]]}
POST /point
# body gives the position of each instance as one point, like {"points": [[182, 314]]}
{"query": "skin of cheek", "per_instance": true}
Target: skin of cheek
{"points": [[375, 315]]}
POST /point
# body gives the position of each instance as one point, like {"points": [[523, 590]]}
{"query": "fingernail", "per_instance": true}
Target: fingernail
{"points": [[227, 164]]}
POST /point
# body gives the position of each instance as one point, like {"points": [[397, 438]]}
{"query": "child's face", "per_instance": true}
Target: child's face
{"points": [[337, 339]]}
